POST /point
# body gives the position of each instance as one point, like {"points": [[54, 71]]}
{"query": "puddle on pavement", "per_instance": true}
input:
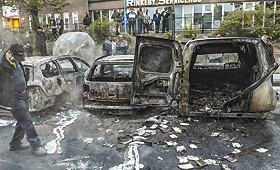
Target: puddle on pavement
{"points": [[67, 119], [131, 160]]}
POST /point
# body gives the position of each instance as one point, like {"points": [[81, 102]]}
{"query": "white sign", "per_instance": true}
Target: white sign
{"points": [[160, 2]]}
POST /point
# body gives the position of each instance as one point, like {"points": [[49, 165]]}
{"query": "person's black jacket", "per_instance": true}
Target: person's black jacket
{"points": [[28, 51], [87, 20], [7, 92]]}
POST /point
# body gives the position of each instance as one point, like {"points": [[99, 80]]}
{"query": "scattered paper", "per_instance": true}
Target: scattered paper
{"points": [[173, 136], [193, 146], [236, 145], [261, 150], [88, 140], [186, 166], [182, 159]]}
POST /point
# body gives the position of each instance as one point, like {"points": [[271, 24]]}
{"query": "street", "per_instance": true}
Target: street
{"points": [[79, 139]]}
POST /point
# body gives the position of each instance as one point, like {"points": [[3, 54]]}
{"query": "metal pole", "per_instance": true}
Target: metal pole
{"points": [[173, 21], [124, 13]]}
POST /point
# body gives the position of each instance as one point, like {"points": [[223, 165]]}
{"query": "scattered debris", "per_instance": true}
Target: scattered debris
{"points": [[99, 124], [193, 146], [164, 130], [171, 143], [159, 158], [88, 140], [165, 122], [109, 145], [230, 159], [236, 145], [177, 130], [154, 126], [214, 134], [186, 166], [184, 124], [163, 126], [173, 136], [201, 163], [182, 159], [193, 158], [121, 131], [261, 150], [225, 167], [181, 149], [117, 121], [211, 162], [108, 130], [101, 138], [125, 139], [236, 151], [138, 138]]}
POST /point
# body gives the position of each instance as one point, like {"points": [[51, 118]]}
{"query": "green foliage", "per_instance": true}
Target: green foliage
{"points": [[242, 23], [189, 30], [99, 30], [128, 38]]}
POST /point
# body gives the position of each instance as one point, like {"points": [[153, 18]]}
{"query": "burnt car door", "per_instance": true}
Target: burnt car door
{"points": [[156, 72], [72, 76]]}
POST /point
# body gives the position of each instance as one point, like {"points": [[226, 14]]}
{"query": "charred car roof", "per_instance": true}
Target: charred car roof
{"points": [[122, 59]]}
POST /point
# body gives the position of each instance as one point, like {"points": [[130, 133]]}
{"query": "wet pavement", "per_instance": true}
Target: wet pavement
{"points": [[79, 139]]}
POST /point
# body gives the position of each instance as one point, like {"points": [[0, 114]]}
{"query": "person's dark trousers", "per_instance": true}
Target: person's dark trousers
{"points": [[60, 31], [24, 123], [146, 28], [131, 25], [164, 24], [140, 26], [54, 33], [157, 27], [42, 48], [117, 29]]}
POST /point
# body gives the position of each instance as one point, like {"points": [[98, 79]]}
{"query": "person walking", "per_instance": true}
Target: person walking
{"points": [[107, 47], [122, 46], [140, 17], [114, 46], [60, 25], [54, 28], [131, 21], [13, 95], [157, 19], [87, 20], [165, 14], [116, 16], [28, 50], [146, 21], [41, 41]]}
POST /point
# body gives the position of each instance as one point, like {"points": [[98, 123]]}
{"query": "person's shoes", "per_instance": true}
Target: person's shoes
{"points": [[39, 151], [19, 147]]}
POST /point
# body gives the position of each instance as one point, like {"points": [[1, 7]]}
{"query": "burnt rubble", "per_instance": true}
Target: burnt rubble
{"points": [[212, 95]]}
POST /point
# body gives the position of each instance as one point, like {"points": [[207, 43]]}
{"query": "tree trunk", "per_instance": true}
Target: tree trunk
{"points": [[35, 20]]}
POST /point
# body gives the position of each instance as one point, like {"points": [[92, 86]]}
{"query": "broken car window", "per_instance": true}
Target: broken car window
{"points": [[81, 65], [49, 69], [67, 66], [156, 59], [114, 73]]}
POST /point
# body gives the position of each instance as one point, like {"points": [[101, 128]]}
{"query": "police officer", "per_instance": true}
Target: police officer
{"points": [[13, 95]]}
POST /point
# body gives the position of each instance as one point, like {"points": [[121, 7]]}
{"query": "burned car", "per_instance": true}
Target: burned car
{"points": [[108, 83], [212, 77], [53, 79], [227, 77]]}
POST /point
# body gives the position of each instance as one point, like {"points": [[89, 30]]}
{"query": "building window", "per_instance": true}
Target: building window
{"points": [[30, 19], [75, 20], [217, 15], [198, 15], [227, 8], [66, 20], [40, 18], [48, 18], [56, 15], [207, 8], [188, 15]]}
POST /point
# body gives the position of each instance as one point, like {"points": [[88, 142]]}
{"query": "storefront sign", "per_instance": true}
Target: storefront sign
{"points": [[132, 3]]}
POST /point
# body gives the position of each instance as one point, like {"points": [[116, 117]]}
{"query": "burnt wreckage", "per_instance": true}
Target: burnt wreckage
{"points": [[214, 77]]}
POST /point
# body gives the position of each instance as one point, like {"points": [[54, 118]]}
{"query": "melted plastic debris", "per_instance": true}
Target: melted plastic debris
{"points": [[108, 130], [225, 167], [211, 162], [182, 159], [131, 160], [100, 138], [159, 158], [186, 166], [261, 150], [163, 126], [54, 145], [109, 145], [6, 122], [88, 140], [154, 126], [193, 146], [214, 134], [171, 143]]}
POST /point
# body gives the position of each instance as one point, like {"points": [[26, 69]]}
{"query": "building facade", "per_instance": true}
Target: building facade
{"points": [[187, 12]]}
